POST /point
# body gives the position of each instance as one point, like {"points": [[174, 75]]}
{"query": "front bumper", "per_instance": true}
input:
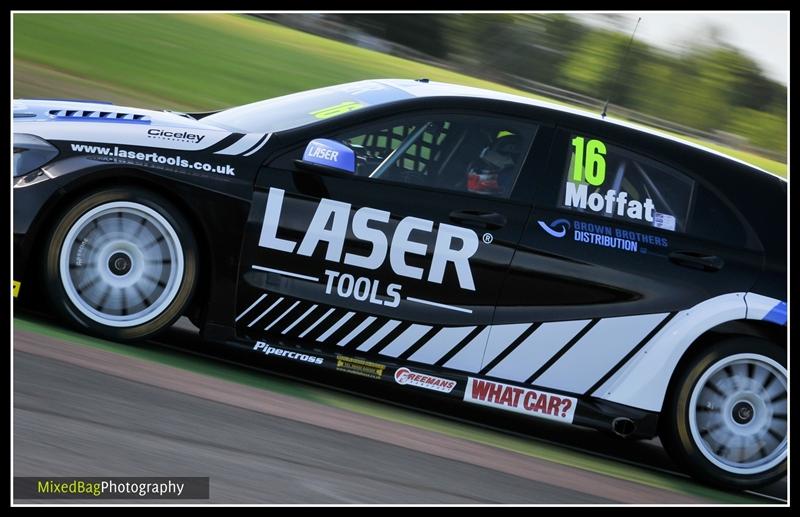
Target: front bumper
{"points": [[32, 204]]}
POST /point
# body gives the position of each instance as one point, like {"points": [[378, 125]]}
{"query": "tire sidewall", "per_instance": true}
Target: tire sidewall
{"points": [[52, 275], [676, 431]]}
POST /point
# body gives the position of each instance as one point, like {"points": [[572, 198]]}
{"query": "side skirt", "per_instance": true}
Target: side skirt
{"points": [[417, 380]]}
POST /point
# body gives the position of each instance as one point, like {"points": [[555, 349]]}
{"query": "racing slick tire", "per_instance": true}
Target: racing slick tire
{"points": [[121, 263], [725, 419]]}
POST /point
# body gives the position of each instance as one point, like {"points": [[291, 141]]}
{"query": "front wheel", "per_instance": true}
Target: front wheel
{"points": [[725, 419], [121, 263]]}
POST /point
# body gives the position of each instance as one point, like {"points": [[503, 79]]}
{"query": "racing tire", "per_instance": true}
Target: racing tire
{"points": [[724, 419], [121, 264]]}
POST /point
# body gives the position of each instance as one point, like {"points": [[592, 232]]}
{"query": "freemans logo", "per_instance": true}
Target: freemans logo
{"points": [[454, 245], [429, 382]]}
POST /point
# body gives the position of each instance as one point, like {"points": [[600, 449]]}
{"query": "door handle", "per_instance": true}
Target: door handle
{"points": [[487, 220], [696, 260]]}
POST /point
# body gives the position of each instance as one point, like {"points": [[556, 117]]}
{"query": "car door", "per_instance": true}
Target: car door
{"points": [[609, 253], [401, 258]]}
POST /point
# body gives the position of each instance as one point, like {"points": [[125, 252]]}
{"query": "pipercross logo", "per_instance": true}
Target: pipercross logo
{"points": [[429, 382], [557, 228], [289, 354]]}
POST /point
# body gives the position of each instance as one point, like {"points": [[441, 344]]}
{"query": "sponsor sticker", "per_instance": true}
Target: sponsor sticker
{"points": [[333, 221], [266, 349], [152, 158], [604, 235], [405, 376], [664, 221], [183, 136], [359, 367], [520, 400], [330, 154]]}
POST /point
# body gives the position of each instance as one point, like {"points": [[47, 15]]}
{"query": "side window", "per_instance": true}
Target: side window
{"points": [[610, 181], [467, 153], [717, 220]]}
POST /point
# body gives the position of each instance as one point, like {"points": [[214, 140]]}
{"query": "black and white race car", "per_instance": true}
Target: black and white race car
{"points": [[478, 245]]}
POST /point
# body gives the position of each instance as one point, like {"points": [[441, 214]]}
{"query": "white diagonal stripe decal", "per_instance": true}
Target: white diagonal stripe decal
{"points": [[313, 325], [336, 326], [405, 340], [597, 352], [251, 306], [377, 336], [470, 357], [536, 350], [501, 338], [259, 146], [298, 320], [358, 330], [242, 145], [279, 318], [279, 300], [440, 344]]}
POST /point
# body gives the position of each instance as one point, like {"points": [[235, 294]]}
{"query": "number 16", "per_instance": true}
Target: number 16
{"points": [[595, 167]]}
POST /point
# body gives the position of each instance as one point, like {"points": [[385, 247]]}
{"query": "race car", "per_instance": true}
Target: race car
{"points": [[470, 244]]}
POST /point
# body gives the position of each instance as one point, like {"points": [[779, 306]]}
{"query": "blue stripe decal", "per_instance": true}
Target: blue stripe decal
{"points": [[777, 314], [98, 119]]}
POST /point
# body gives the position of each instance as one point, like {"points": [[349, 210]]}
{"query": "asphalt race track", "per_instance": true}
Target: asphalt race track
{"points": [[80, 411]]}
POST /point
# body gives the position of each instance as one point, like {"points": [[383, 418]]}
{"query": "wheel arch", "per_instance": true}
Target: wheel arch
{"points": [[734, 328], [643, 382], [122, 177]]}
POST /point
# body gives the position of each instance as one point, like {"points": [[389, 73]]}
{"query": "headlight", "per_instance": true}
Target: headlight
{"points": [[30, 153]]}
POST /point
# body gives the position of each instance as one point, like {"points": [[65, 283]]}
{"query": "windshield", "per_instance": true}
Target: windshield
{"points": [[299, 109]]}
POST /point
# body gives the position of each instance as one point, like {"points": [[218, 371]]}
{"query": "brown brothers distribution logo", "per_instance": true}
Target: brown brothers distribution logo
{"points": [[359, 367]]}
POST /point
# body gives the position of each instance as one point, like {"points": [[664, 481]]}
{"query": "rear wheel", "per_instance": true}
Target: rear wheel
{"points": [[121, 263], [725, 419]]}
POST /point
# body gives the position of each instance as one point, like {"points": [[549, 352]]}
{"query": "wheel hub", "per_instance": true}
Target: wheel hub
{"points": [[119, 263], [742, 412]]}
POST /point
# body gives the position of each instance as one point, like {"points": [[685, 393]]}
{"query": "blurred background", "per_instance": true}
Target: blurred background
{"points": [[715, 78]]}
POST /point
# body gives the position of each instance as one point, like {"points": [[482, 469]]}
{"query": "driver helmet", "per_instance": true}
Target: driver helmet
{"points": [[493, 171]]}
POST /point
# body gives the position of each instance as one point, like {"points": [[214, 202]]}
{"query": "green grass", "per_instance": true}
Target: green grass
{"points": [[263, 381], [203, 62]]}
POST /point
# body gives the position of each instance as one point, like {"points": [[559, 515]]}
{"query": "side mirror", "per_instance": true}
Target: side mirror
{"points": [[328, 155]]}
